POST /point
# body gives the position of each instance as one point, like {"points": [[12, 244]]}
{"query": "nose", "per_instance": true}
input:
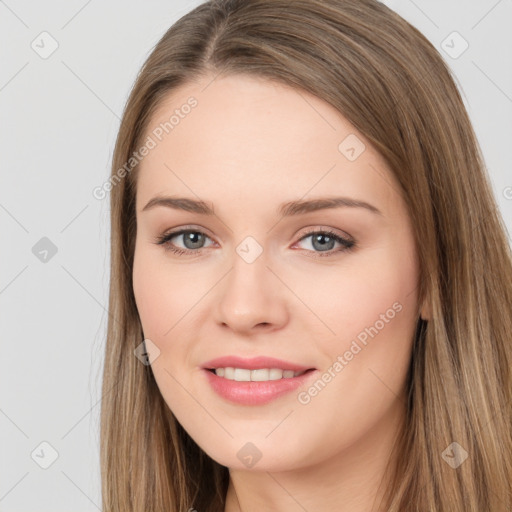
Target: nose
{"points": [[251, 298]]}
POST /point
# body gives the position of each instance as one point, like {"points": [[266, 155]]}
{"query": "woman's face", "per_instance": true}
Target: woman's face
{"points": [[253, 281]]}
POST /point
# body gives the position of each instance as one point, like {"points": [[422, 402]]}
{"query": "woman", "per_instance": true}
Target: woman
{"points": [[304, 236]]}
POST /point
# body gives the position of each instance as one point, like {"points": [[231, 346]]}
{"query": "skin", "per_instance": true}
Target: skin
{"points": [[248, 146]]}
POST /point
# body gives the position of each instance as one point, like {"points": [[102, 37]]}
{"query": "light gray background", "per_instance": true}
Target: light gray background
{"points": [[60, 116]]}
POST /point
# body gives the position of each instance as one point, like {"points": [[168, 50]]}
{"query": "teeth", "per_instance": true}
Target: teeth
{"points": [[242, 375], [259, 375]]}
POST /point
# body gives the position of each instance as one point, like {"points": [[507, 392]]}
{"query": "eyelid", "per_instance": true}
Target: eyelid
{"points": [[187, 228], [307, 231]]}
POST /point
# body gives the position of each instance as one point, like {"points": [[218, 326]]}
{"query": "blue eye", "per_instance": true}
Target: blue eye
{"points": [[324, 240]]}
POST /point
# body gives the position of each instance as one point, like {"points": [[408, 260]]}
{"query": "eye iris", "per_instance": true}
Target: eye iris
{"points": [[322, 247], [194, 237]]}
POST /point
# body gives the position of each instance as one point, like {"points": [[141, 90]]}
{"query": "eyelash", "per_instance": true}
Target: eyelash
{"points": [[347, 245]]}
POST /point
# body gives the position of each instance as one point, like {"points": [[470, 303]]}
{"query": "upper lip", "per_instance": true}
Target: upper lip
{"points": [[253, 363]]}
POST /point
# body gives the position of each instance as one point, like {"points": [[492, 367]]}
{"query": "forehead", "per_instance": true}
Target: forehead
{"points": [[247, 137]]}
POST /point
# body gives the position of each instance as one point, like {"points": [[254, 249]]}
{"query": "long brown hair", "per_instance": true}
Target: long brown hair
{"points": [[385, 77]]}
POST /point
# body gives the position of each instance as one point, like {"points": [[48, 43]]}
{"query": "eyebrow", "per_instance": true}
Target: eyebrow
{"points": [[291, 208]]}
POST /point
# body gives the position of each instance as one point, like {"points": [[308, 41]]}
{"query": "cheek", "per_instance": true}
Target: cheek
{"points": [[384, 304], [377, 317], [384, 292], [162, 293], [148, 294], [373, 312], [366, 289]]}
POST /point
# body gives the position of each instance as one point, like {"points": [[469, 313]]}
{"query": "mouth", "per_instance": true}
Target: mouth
{"points": [[255, 381], [255, 386]]}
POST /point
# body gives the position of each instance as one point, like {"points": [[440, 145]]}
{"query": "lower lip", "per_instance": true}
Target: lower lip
{"points": [[253, 392]]}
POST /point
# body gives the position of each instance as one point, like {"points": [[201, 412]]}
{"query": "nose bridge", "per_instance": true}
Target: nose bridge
{"points": [[249, 266], [250, 294]]}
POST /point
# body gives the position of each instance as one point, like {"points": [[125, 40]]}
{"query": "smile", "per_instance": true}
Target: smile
{"points": [[255, 387]]}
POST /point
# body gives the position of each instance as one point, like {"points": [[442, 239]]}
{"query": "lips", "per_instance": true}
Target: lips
{"points": [[254, 363], [252, 392], [255, 393]]}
